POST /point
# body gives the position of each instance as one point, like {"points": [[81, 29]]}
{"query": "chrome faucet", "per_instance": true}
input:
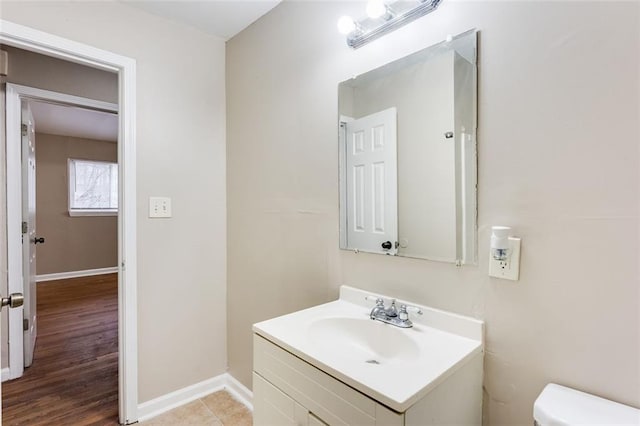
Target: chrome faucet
{"points": [[391, 311], [378, 310], [391, 315]]}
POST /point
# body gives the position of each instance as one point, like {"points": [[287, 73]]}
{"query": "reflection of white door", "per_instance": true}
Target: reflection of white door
{"points": [[29, 237], [371, 179]]}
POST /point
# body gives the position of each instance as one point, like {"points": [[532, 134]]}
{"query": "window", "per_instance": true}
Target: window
{"points": [[93, 188]]}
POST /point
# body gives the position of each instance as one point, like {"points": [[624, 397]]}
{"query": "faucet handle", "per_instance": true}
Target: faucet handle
{"points": [[403, 313], [392, 311], [410, 308]]}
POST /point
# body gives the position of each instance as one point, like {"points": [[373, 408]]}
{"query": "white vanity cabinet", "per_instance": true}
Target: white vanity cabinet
{"points": [[333, 365], [274, 407], [277, 408], [290, 391]]}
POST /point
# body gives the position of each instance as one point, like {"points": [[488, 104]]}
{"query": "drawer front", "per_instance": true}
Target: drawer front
{"points": [[327, 398]]}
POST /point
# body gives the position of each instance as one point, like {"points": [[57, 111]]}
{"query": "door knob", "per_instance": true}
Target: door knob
{"points": [[387, 245], [37, 240], [14, 300]]}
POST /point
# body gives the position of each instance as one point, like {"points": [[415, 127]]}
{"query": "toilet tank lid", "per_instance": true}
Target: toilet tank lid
{"points": [[559, 406]]}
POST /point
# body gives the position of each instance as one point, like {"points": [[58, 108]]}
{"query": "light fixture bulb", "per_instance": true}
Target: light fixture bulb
{"points": [[346, 25], [376, 9]]}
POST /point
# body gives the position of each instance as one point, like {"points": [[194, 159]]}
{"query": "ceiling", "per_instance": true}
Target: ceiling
{"points": [[72, 121], [222, 18]]}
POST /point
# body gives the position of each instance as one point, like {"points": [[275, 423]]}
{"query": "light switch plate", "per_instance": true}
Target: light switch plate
{"points": [[159, 207], [507, 269]]}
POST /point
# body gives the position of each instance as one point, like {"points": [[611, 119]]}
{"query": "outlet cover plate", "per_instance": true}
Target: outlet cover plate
{"points": [[507, 269]]}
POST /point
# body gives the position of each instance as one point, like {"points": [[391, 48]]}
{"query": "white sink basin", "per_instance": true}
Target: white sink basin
{"points": [[363, 340], [395, 366]]}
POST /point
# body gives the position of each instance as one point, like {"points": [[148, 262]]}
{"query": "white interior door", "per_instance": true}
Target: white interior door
{"points": [[372, 182], [29, 236]]}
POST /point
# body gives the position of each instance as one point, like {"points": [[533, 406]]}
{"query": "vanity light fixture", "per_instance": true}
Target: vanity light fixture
{"points": [[376, 9], [346, 25], [383, 16]]}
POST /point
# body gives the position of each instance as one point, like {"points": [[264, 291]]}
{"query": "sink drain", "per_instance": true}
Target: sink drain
{"points": [[372, 361]]}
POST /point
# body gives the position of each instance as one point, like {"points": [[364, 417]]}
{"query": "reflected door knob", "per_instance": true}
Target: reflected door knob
{"points": [[37, 240], [387, 245]]}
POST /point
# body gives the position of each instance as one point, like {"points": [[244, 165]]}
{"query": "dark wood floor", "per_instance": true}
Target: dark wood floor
{"points": [[74, 376]]}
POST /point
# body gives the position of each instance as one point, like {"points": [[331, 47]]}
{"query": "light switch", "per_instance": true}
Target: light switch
{"points": [[159, 207]]}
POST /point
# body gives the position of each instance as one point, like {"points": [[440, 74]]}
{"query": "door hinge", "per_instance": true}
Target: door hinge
{"points": [[25, 227], [24, 129], [25, 324]]}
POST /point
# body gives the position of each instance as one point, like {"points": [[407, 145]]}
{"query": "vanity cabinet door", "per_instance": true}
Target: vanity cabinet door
{"points": [[271, 407]]}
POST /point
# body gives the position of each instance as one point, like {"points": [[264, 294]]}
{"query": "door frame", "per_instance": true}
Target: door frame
{"points": [[36, 41], [15, 94]]}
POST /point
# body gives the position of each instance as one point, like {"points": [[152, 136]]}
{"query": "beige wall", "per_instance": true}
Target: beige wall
{"points": [[558, 161], [71, 243], [180, 129], [26, 68]]}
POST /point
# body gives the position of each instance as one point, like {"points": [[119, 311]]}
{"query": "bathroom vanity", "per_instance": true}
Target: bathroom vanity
{"points": [[332, 364]]}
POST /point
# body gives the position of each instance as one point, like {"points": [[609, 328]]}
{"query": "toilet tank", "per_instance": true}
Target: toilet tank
{"points": [[561, 406]]}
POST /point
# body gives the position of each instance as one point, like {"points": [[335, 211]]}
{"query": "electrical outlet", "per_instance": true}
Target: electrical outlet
{"points": [[159, 207], [508, 269]]}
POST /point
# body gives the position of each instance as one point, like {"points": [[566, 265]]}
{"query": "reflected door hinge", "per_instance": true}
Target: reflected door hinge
{"points": [[25, 324], [25, 227], [24, 129]]}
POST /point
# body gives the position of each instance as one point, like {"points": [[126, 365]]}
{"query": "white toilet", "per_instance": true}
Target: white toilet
{"points": [[561, 406]]}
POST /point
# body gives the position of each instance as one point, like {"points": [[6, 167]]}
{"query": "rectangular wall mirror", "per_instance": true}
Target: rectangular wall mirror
{"points": [[407, 135]]}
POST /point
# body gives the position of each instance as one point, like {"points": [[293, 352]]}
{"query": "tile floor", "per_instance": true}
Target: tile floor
{"points": [[216, 409]]}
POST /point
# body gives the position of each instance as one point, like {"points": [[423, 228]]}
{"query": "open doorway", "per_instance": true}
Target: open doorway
{"points": [[74, 375], [123, 69], [69, 194]]}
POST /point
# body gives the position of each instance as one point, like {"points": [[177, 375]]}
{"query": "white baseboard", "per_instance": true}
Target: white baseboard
{"points": [[76, 274], [159, 405], [172, 400], [239, 391]]}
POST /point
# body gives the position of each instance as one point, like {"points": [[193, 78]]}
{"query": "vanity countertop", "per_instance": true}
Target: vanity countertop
{"points": [[395, 366]]}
